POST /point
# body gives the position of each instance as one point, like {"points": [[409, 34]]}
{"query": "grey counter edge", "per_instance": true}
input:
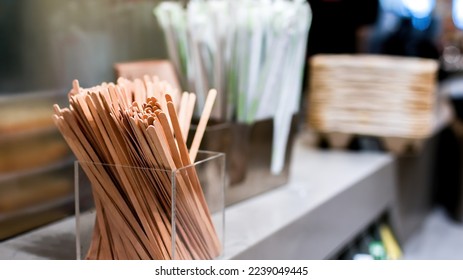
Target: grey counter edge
{"points": [[330, 197]]}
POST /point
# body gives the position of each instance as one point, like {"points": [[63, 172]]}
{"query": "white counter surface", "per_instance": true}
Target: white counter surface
{"points": [[316, 178]]}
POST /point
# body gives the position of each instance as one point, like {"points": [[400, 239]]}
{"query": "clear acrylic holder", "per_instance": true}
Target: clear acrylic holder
{"points": [[178, 221]]}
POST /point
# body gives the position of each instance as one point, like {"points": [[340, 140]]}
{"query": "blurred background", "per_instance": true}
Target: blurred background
{"points": [[46, 44]]}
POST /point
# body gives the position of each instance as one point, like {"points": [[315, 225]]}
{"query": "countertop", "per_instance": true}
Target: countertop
{"points": [[279, 223]]}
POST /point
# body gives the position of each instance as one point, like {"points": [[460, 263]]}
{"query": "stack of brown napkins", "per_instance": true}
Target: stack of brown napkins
{"points": [[373, 95]]}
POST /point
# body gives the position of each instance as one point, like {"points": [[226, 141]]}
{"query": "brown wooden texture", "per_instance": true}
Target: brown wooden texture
{"points": [[130, 144]]}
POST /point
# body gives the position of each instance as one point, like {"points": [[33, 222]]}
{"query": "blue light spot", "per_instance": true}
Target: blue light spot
{"points": [[421, 23], [458, 13], [394, 6]]}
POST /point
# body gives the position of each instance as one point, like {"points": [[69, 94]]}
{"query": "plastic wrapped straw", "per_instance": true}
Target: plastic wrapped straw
{"points": [[251, 51]]}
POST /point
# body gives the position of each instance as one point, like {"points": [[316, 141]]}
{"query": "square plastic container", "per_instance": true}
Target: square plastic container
{"points": [[149, 213]]}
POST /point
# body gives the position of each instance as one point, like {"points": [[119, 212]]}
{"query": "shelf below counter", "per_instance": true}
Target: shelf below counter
{"points": [[331, 196]]}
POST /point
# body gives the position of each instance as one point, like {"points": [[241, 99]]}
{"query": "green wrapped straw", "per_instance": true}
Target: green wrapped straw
{"points": [[251, 51]]}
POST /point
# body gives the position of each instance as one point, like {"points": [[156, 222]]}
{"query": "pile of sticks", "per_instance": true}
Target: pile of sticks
{"points": [[130, 142]]}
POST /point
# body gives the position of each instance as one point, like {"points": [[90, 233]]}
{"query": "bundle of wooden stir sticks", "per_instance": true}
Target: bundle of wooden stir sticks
{"points": [[129, 141]]}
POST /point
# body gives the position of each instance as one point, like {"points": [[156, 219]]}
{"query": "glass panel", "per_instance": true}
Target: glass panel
{"points": [[147, 213]]}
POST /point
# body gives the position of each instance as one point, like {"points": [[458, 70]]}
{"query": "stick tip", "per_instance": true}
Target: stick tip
{"points": [[147, 78], [120, 80], [213, 92], [75, 86], [57, 109], [192, 96]]}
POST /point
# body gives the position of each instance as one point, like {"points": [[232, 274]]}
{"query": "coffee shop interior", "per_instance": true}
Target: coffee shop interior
{"points": [[231, 129]]}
